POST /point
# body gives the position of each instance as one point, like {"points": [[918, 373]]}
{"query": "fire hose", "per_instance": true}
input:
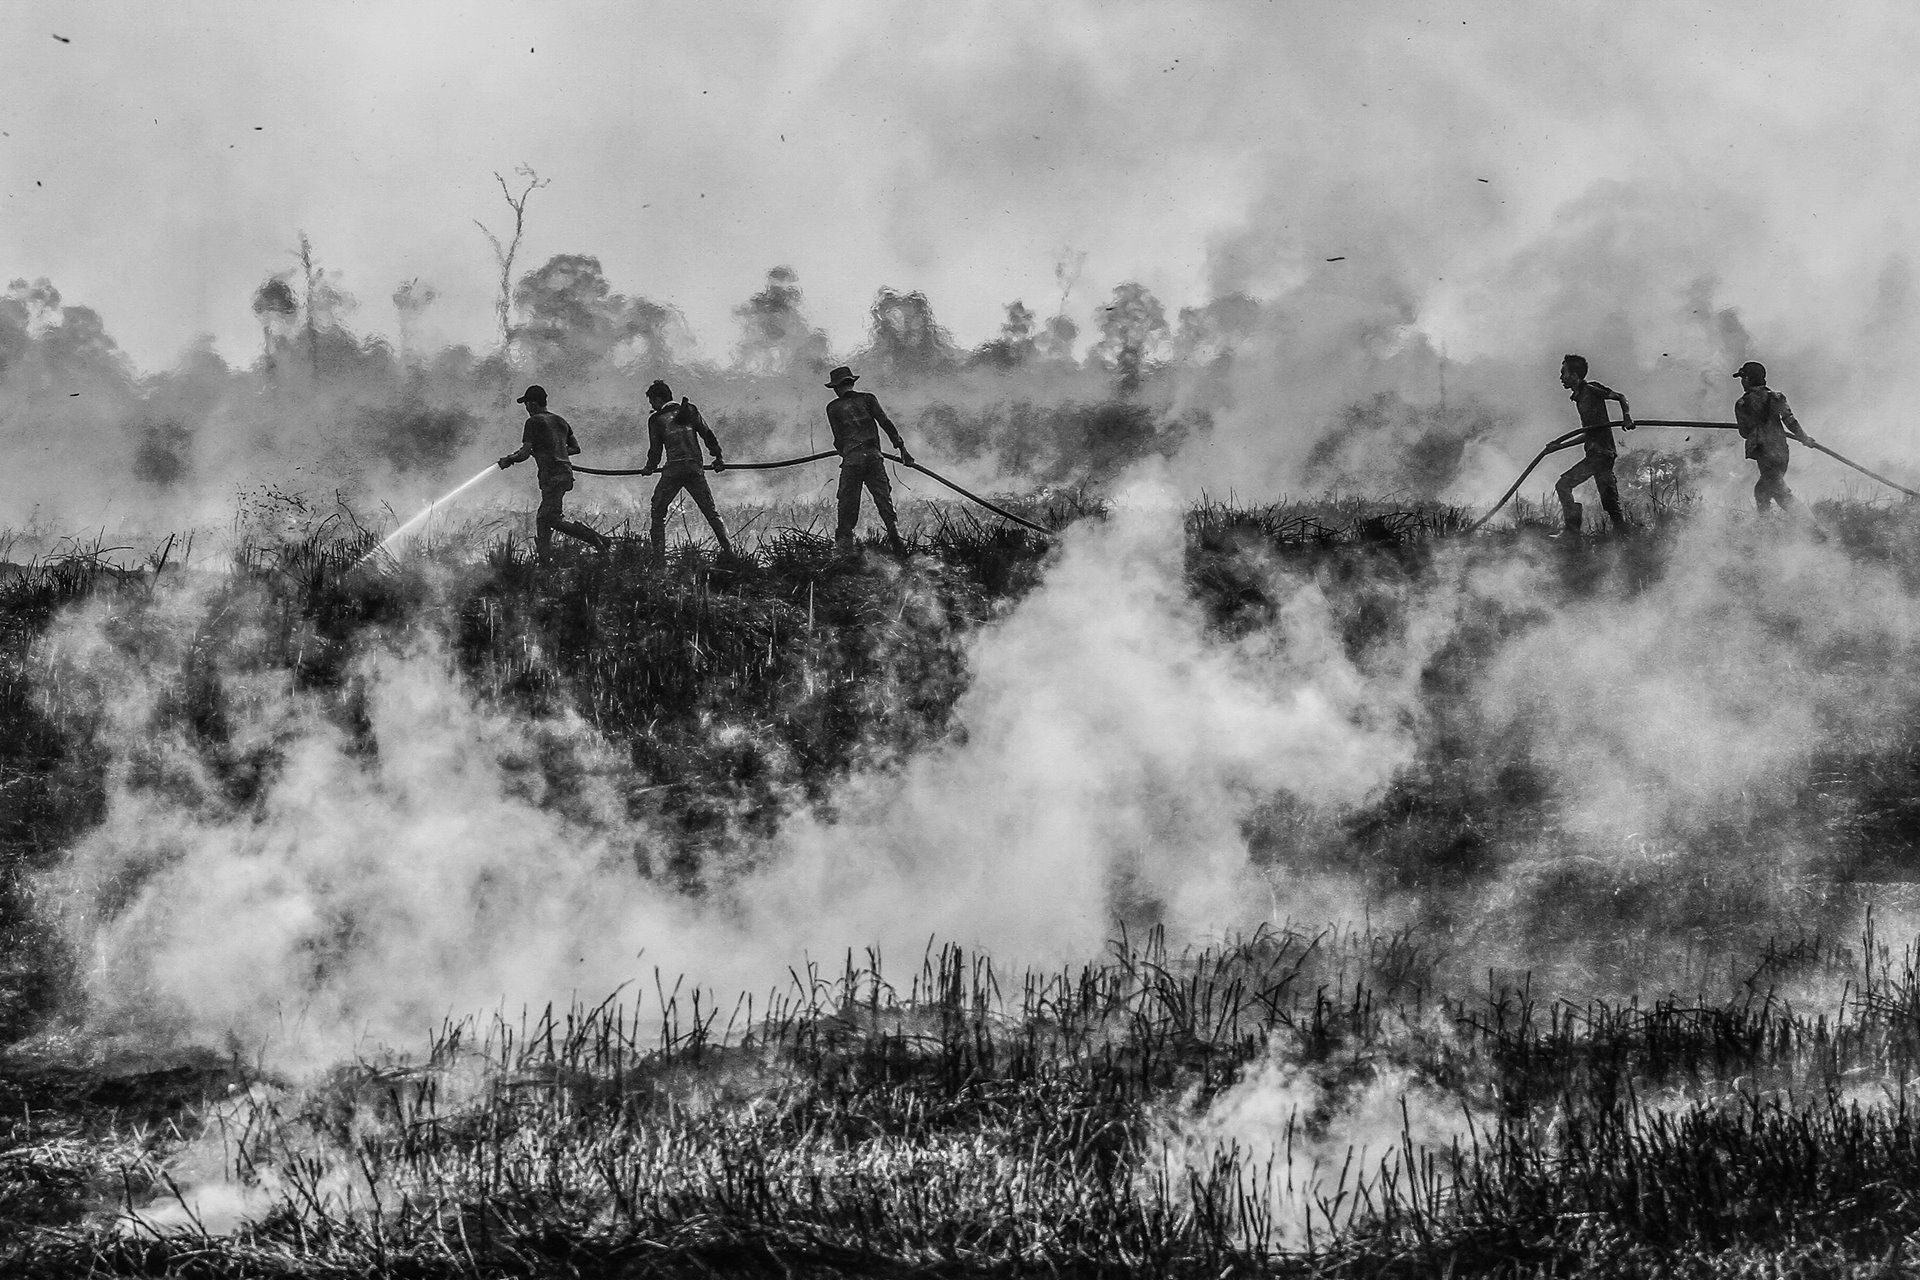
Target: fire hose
{"points": [[1558, 443], [1572, 438], [1000, 511], [1820, 448]]}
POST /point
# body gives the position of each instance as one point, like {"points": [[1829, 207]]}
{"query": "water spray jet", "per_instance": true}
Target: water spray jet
{"points": [[399, 535]]}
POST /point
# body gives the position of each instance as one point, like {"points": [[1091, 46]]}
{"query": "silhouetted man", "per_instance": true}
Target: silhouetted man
{"points": [[548, 440], [857, 420], [1765, 422], [675, 431], [1590, 399]]}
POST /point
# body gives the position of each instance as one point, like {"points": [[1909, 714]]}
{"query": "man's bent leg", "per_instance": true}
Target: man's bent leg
{"points": [[1570, 511], [551, 520], [584, 532]]}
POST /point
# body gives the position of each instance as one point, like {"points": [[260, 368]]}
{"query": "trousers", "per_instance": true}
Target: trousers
{"points": [[675, 479], [1772, 485], [864, 470], [1597, 467], [550, 518]]}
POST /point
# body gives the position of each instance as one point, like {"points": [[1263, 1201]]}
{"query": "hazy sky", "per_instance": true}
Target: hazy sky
{"points": [[161, 160]]}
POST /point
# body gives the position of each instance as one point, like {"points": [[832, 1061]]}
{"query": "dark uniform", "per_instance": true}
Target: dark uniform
{"points": [[1765, 422], [548, 440], [675, 431], [857, 421], [1590, 399]]}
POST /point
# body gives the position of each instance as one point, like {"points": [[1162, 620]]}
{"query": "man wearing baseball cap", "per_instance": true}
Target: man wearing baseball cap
{"points": [[1765, 422], [857, 420], [548, 440]]}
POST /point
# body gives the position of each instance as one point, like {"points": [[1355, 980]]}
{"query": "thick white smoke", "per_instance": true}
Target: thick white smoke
{"points": [[372, 884], [1665, 711]]}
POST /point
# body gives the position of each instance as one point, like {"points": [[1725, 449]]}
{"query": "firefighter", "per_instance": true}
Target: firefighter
{"points": [[1590, 399], [1765, 422], [675, 431], [548, 440], [857, 420]]}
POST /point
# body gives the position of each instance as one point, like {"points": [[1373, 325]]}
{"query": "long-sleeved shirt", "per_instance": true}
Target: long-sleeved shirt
{"points": [[677, 430], [548, 440], [1765, 422], [857, 420], [1590, 398]]}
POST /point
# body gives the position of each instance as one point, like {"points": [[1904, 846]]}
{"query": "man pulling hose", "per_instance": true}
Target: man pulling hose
{"points": [[1590, 400], [675, 431], [857, 420], [1765, 422]]}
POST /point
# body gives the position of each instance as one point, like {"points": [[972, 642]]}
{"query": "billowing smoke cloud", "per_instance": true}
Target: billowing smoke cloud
{"points": [[315, 882], [1722, 715]]}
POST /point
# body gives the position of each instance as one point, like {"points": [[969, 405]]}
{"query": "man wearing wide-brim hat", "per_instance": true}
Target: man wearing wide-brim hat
{"points": [[857, 420]]}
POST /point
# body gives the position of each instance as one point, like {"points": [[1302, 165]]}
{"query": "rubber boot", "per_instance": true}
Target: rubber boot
{"points": [[1575, 516]]}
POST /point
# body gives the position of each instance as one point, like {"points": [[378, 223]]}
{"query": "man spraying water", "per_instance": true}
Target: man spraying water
{"points": [[548, 440]]}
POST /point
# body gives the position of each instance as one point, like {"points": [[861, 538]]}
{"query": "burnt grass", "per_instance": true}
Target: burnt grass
{"points": [[947, 1119]]}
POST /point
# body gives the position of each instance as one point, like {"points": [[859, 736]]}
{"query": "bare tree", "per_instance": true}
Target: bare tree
{"points": [[308, 269], [504, 254], [324, 302]]}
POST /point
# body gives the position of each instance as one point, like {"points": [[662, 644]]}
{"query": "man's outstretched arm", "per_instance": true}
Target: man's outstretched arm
{"points": [[886, 424], [1608, 393], [1791, 423]]}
